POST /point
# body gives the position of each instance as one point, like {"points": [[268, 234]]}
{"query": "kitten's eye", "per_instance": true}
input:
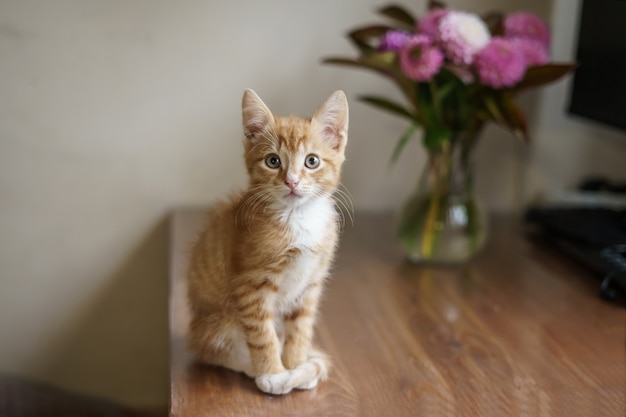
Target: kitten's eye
{"points": [[312, 161], [272, 161]]}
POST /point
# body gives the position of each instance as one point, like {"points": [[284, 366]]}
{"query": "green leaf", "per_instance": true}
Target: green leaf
{"points": [[387, 59], [516, 120], [404, 139], [503, 110], [543, 74], [399, 14], [361, 37], [367, 32], [384, 63], [435, 136], [493, 110], [388, 106]]}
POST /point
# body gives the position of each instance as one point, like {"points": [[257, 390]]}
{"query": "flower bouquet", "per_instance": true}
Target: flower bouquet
{"points": [[457, 71]]}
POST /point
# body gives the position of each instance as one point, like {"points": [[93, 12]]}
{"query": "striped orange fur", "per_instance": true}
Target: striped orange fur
{"points": [[257, 270]]}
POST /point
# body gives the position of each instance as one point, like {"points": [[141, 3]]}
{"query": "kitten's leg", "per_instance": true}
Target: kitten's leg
{"points": [[257, 323], [262, 342], [310, 365], [263, 345], [256, 318], [299, 328]]}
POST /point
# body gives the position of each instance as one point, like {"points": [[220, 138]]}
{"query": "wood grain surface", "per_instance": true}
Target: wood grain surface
{"points": [[518, 331]]}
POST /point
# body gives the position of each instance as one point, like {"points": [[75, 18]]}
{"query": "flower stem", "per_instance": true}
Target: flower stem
{"points": [[441, 169]]}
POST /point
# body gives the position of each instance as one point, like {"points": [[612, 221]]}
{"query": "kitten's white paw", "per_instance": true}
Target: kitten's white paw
{"points": [[309, 385], [305, 376], [276, 384], [321, 362]]}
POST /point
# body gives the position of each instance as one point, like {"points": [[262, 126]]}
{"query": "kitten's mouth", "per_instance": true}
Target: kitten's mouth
{"points": [[292, 194]]}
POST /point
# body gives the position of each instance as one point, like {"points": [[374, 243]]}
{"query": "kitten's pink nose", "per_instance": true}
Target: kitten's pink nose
{"points": [[292, 184]]}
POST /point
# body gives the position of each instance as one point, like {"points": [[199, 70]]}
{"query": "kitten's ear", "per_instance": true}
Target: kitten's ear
{"points": [[331, 120], [256, 115]]}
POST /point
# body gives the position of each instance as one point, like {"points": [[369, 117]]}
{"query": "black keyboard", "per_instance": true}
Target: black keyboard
{"points": [[595, 227], [595, 237]]}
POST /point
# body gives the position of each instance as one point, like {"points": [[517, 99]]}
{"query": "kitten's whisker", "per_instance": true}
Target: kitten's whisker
{"points": [[343, 190], [343, 209], [345, 196], [342, 201], [342, 222]]}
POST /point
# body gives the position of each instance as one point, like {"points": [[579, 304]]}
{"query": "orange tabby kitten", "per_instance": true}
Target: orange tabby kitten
{"points": [[257, 270]]}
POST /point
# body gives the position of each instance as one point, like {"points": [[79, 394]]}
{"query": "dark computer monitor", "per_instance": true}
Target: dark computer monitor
{"points": [[599, 86]]}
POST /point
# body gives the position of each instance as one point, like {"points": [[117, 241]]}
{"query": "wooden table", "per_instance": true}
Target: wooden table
{"points": [[518, 331]]}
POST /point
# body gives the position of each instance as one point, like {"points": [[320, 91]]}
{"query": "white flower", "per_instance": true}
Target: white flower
{"points": [[462, 35]]}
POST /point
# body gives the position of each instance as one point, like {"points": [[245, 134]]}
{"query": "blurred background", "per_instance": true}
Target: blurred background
{"points": [[113, 113]]}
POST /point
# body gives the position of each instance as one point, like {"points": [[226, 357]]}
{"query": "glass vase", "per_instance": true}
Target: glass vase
{"points": [[442, 222]]}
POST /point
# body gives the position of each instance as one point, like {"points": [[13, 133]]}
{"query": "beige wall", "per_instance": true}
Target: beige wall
{"points": [[114, 112]]}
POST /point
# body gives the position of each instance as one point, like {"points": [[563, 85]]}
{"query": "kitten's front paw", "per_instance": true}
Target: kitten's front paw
{"points": [[308, 385], [276, 384], [305, 376], [315, 369], [321, 362]]}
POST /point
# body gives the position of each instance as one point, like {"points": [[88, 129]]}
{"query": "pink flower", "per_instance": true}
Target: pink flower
{"points": [[429, 24], [534, 52], [462, 35], [527, 25], [393, 40], [500, 63], [419, 59]]}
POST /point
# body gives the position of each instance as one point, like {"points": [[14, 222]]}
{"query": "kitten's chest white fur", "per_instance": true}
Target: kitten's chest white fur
{"points": [[308, 224], [309, 227]]}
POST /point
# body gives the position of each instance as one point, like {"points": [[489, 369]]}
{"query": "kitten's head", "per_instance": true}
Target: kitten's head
{"points": [[291, 160]]}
